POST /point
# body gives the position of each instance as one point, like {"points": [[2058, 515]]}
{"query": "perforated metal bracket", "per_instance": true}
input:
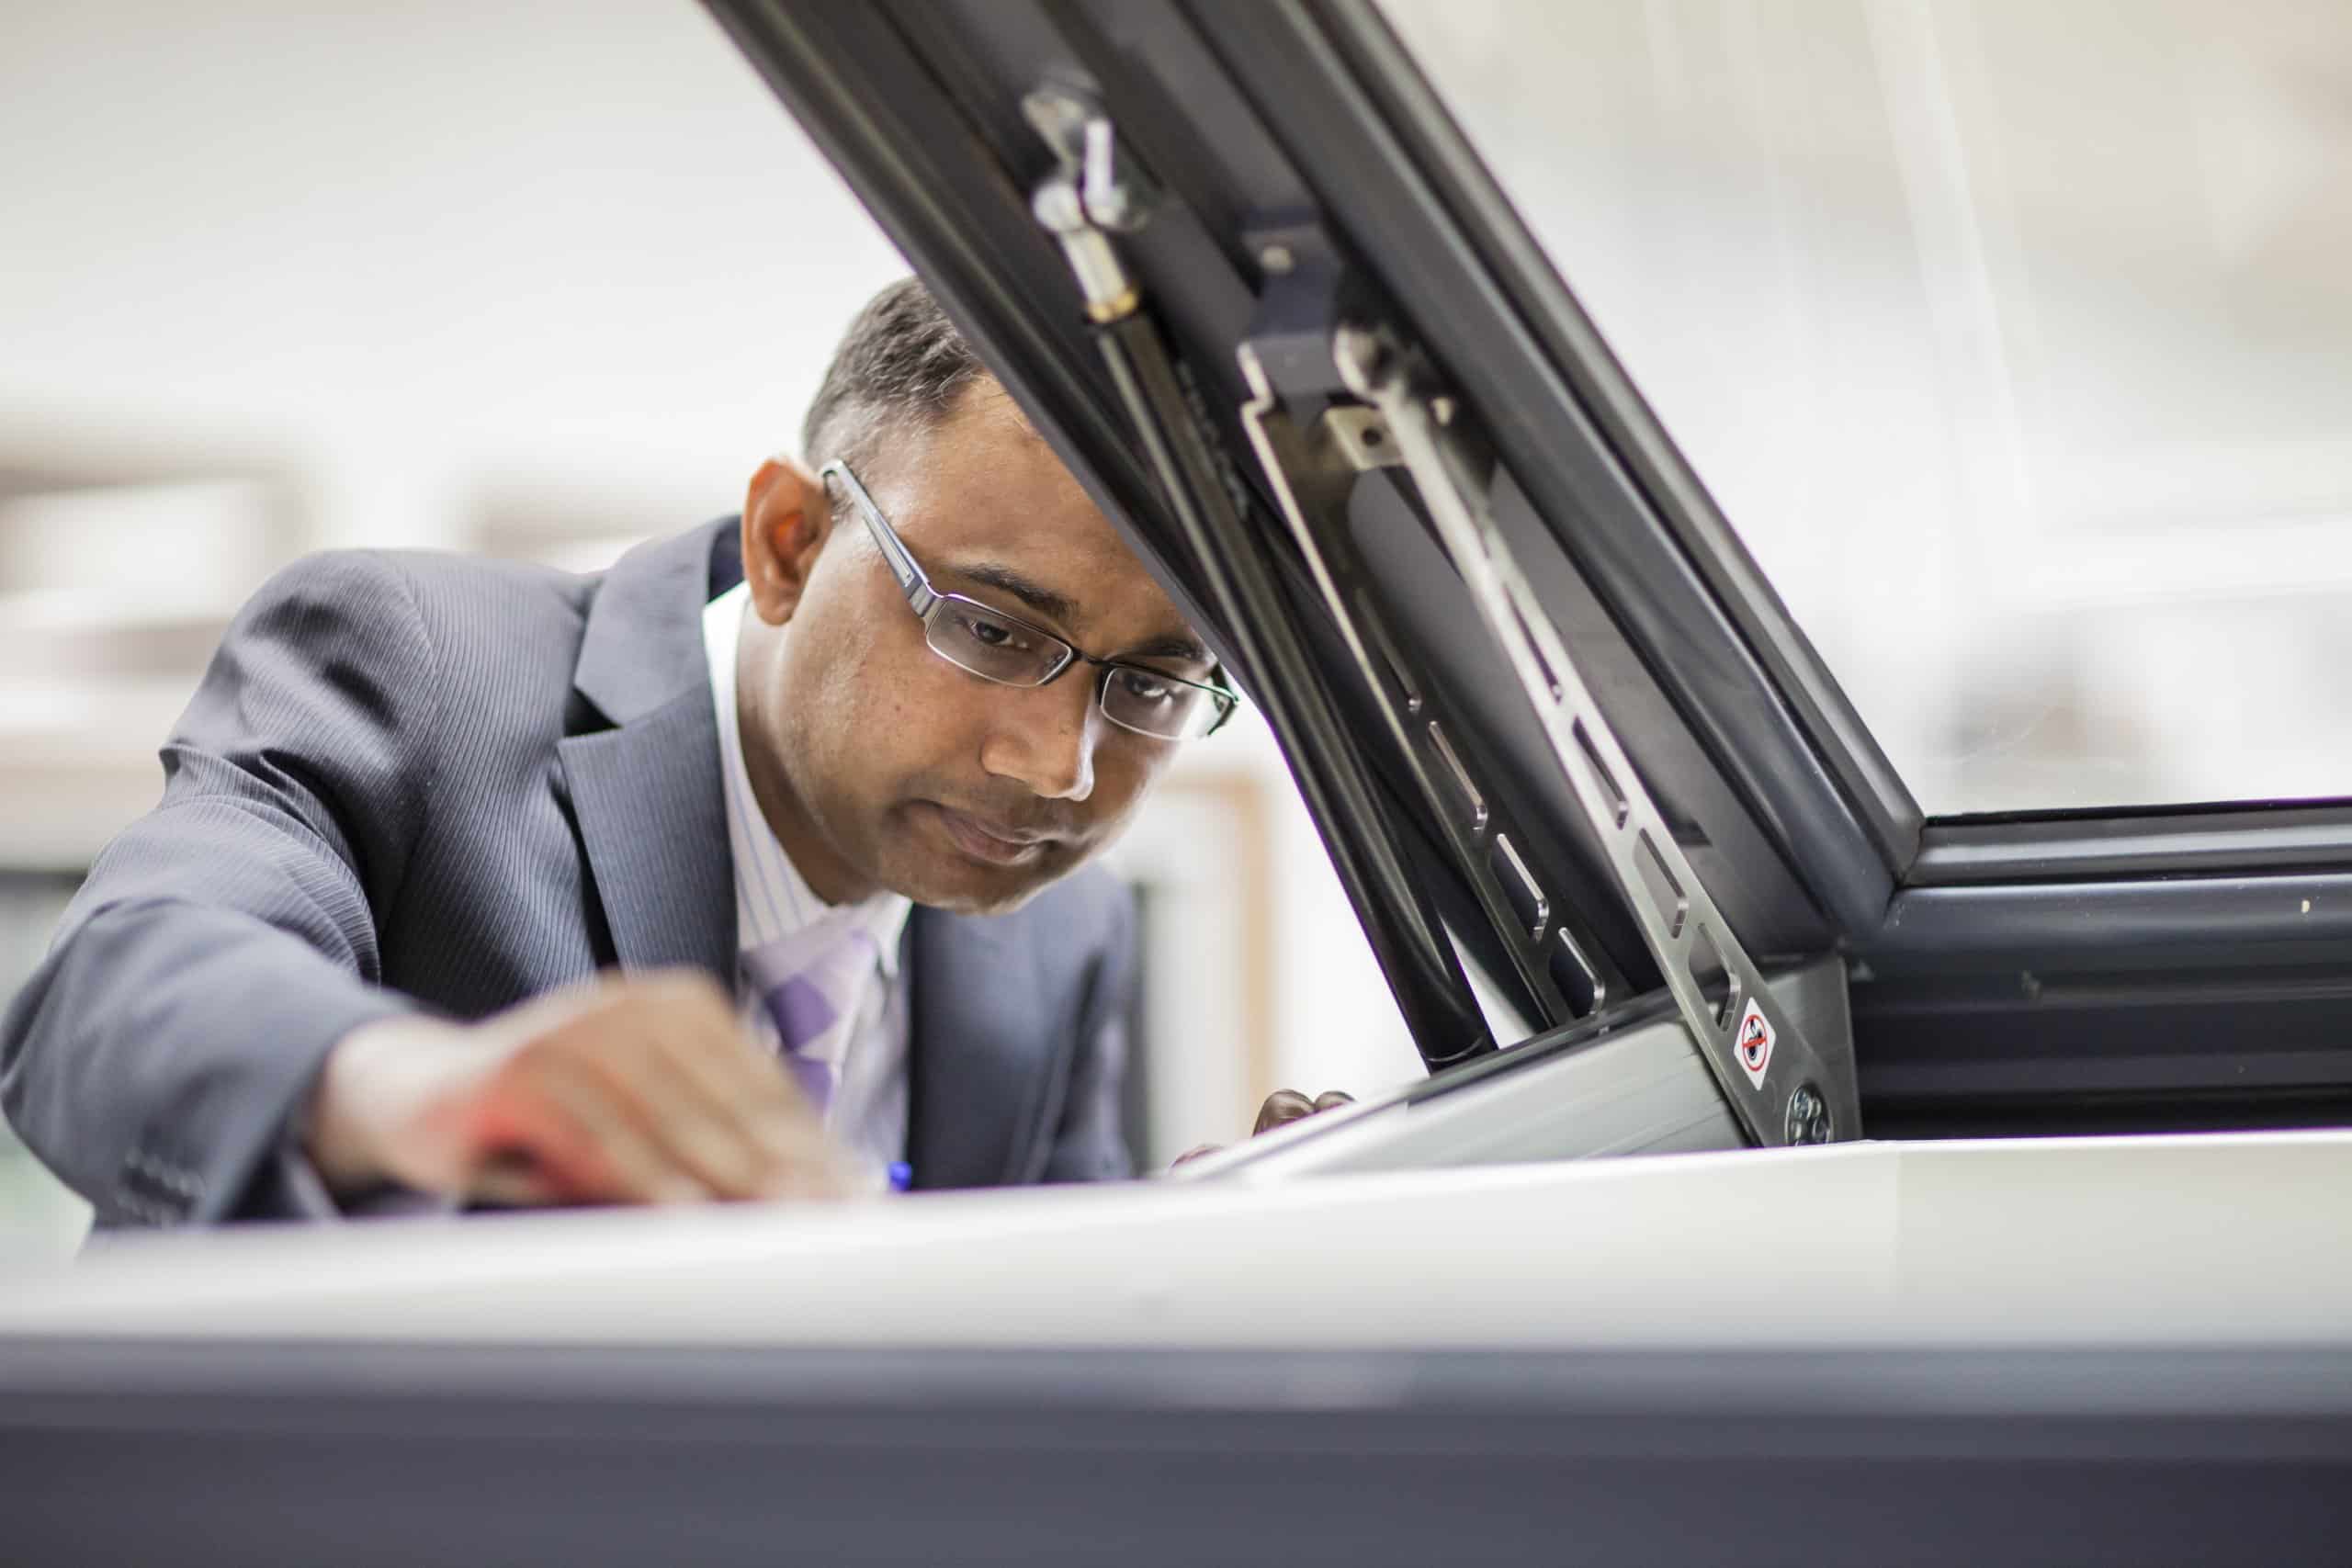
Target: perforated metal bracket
{"points": [[1784, 1087], [1311, 472]]}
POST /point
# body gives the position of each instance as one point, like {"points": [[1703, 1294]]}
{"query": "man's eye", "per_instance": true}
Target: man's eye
{"points": [[1146, 687], [993, 634]]}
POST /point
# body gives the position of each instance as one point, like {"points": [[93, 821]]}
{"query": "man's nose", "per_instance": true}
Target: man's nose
{"points": [[1045, 738]]}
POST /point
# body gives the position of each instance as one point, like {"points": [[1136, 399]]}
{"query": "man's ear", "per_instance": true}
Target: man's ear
{"points": [[786, 518]]}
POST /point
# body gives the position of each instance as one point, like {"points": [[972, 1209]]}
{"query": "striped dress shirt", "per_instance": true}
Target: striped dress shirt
{"points": [[868, 1114]]}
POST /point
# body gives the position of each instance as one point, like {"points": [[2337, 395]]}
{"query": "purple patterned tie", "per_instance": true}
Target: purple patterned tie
{"points": [[811, 981]]}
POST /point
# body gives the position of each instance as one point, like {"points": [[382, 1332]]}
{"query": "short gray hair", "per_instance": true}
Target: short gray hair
{"points": [[901, 365]]}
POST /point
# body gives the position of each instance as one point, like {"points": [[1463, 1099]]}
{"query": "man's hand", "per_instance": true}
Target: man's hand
{"points": [[628, 1090], [1287, 1105], [1282, 1108]]}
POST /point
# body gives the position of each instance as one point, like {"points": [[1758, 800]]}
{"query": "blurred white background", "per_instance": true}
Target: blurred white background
{"points": [[2013, 335], [495, 275]]}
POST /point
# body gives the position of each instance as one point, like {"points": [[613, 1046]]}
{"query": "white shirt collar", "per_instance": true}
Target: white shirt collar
{"points": [[771, 898]]}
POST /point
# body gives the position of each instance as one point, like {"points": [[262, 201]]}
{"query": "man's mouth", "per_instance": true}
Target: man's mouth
{"points": [[993, 843]]}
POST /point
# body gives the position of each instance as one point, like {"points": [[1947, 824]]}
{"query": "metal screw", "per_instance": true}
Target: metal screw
{"points": [[1277, 259], [1061, 118], [1112, 199], [1808, 1120], [1359, 358], [1056, 206]]}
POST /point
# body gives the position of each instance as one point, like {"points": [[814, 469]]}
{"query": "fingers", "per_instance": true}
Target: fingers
{"points": [[718, 1108], [690, 1133], [645, 1090], [779, 1136], [514, 1180], [557, 1118], [1282, 1107], [1287, 1105]]}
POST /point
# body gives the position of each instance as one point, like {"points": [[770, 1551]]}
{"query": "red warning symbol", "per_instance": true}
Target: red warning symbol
{"points": [[1754, 1044]]}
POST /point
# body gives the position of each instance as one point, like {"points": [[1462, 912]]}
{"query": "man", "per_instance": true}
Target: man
{"points": [[748, 868]]}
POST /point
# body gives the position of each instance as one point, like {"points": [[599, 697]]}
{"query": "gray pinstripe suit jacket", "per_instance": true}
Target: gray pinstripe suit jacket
{"points": [[423, 781]]}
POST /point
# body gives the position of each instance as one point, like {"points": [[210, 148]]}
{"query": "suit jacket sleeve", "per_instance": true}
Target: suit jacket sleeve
{"points": [[1089, 1144], [158, 1057]]}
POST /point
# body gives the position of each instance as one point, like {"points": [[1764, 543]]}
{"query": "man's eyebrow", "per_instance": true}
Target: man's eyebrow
{"points": [[1184, 649], [1060, 607], [1044, 601]]}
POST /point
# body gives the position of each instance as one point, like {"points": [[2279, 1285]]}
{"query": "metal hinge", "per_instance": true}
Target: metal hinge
{"points": [[1558, 960], [1784, 1087], [1213, 510]]}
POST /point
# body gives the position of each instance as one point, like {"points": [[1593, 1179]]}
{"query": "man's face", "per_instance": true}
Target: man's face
{"points": [[880, 765]]}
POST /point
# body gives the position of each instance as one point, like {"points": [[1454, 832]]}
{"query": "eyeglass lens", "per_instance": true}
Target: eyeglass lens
{"points": [[988, 645], [972, 638]]}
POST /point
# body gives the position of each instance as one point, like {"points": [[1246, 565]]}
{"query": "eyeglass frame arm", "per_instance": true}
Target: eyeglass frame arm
{"points": [[912, 579]]}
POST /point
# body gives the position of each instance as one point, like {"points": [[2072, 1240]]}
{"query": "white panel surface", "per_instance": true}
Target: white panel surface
{"points": [[2213, 1240]]}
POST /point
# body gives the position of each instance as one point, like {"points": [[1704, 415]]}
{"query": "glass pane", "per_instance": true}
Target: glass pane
{"points": [[2015, 338]]}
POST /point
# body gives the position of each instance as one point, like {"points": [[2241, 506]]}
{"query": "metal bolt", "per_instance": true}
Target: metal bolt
{"points": [[1061, 118], [1359, 358], [1276, 259], [1056, 206], [1808, 1120]]}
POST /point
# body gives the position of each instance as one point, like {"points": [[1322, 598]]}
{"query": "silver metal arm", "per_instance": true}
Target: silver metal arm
{"points": [[1781, 1087], [1311, 473]]}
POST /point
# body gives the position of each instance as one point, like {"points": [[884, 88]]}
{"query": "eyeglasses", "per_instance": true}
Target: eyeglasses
{"points": [[1004, 649]]}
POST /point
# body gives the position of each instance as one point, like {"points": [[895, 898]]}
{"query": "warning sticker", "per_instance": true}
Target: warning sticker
{"points": [[1754, 1044]]}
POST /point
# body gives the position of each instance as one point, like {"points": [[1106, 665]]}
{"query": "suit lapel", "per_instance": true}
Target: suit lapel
{"points": [[977, 1055], [646, 792], [653, 815], [653, 823]]}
